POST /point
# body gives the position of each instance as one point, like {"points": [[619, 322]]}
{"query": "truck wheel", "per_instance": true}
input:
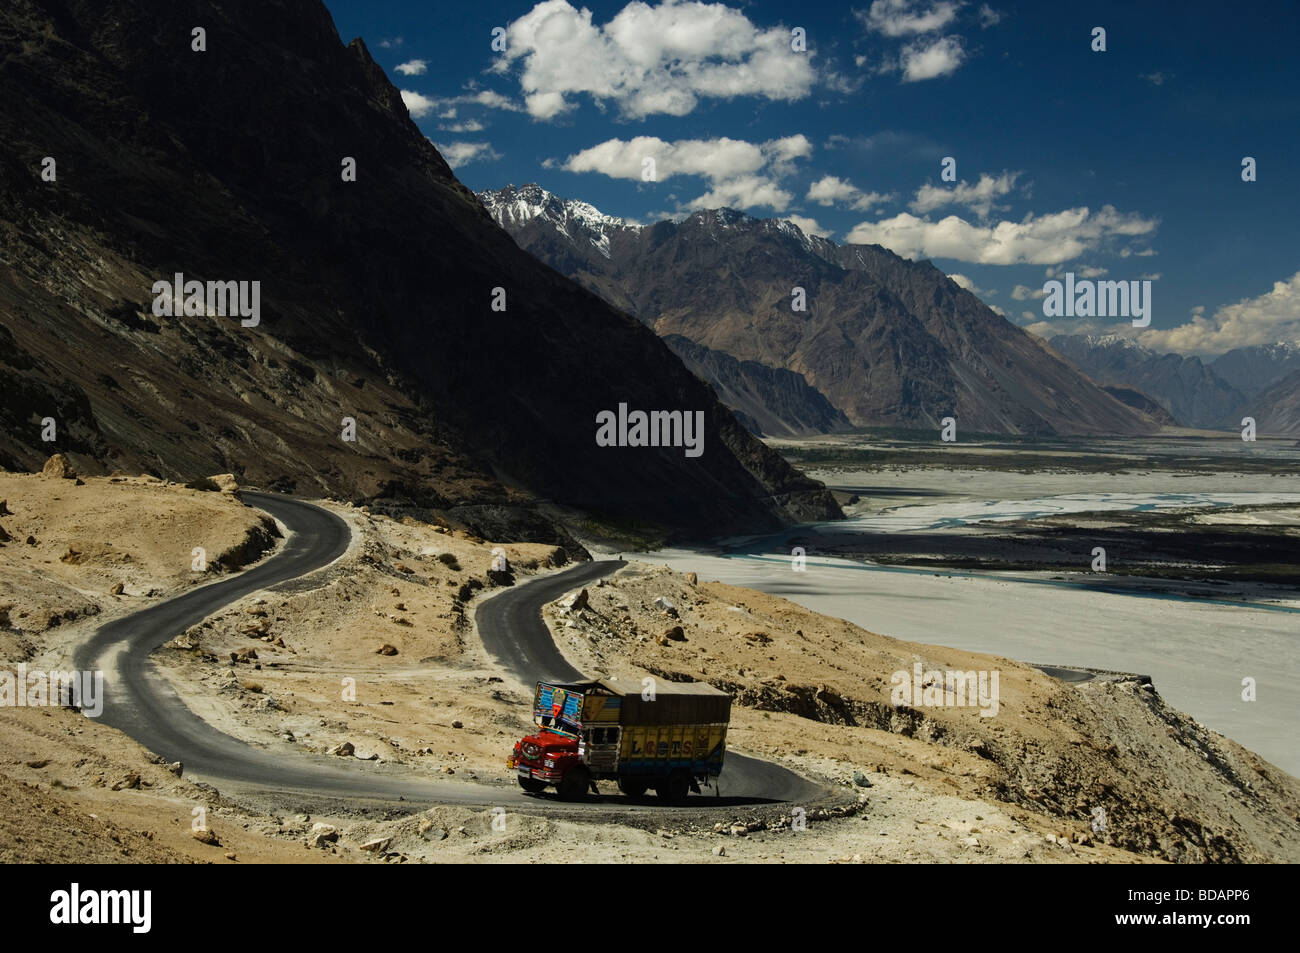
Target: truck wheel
{"points": [[573, 786], [532, 785], [633, 787], [675, 787]]}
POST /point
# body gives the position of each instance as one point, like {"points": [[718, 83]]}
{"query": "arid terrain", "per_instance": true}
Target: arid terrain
{"points": [[376, 659]]}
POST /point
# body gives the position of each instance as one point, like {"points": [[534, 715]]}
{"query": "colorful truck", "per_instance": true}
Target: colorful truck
{"points": [[669, 736]]}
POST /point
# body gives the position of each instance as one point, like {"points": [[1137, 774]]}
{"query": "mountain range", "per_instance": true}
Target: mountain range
{"points": [[883, 340], [1259, 381], [472, 373]]}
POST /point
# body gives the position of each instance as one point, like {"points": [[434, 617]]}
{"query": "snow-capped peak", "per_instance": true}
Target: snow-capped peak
{"points": [[574, 219]]}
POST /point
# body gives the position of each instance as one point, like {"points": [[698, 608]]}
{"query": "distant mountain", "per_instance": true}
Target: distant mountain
{"points": [[1277, 409], [886, 341], [769, 400], [1254, 369], [1141, 402], [1184, 386], [375, 293]]}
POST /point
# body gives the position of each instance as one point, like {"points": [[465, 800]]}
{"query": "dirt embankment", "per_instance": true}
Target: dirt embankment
{"points": [[1167, 787]]}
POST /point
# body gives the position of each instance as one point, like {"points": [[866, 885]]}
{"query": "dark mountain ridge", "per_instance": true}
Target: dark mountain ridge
{"points": [[376, 293]]}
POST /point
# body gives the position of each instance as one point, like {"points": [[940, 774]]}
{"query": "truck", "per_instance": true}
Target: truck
{"points": [[669, 736]]}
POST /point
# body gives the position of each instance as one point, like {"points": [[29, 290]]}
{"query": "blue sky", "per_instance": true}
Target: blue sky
{"points": [[1117, 165]]}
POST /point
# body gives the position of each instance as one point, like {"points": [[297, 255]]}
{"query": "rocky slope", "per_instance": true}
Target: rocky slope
{"points": [[770, 401], [1278, 408], [1192, 392], [375, 293], [1253, 369], [887, 341]]}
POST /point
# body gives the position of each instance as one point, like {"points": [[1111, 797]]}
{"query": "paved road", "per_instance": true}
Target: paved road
{"points": [[140, 702], [512, 629]]}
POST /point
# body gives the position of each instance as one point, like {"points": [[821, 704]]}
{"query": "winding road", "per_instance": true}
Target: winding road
{"points": [[140, 702]]}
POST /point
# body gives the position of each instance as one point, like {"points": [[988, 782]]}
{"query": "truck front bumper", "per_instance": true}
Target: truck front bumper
{"points": [[549, 775]]}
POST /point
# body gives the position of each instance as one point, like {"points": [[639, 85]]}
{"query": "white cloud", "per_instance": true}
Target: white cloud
{"points": [[995, 309], [1079, 271], [907, 17], [413, 67], [469, 125], [650, 59], [1022, 293], [1155, 79], [746, 191], [1037, 240], [988, 16], [963, 282], [979, 197], [741, 174], [831, 190], [1270, 318], [808, 226], [491, 99], [417, 104], [458, 154], [930, 59]]}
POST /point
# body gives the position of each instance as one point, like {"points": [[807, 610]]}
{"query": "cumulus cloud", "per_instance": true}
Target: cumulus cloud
{"points": [[1022, 293], [930, 59], [458, 154], [831, 190], [1079, 271], [650, 59], [1037, 240], [988, 16], [740, 174], [417, 104], [980, 197], [963, 282], [413, 67], [1270, 318], [907, 17], [469, 125], [808, 226]]}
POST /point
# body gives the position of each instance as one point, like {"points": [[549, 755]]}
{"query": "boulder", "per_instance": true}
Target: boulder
{"points": [[225, 482], [386, 649], [205, 836], [322, 835], [675, 634], [130, 782], [580, 601], [378, 845], [344, 750], [58, 468]]}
